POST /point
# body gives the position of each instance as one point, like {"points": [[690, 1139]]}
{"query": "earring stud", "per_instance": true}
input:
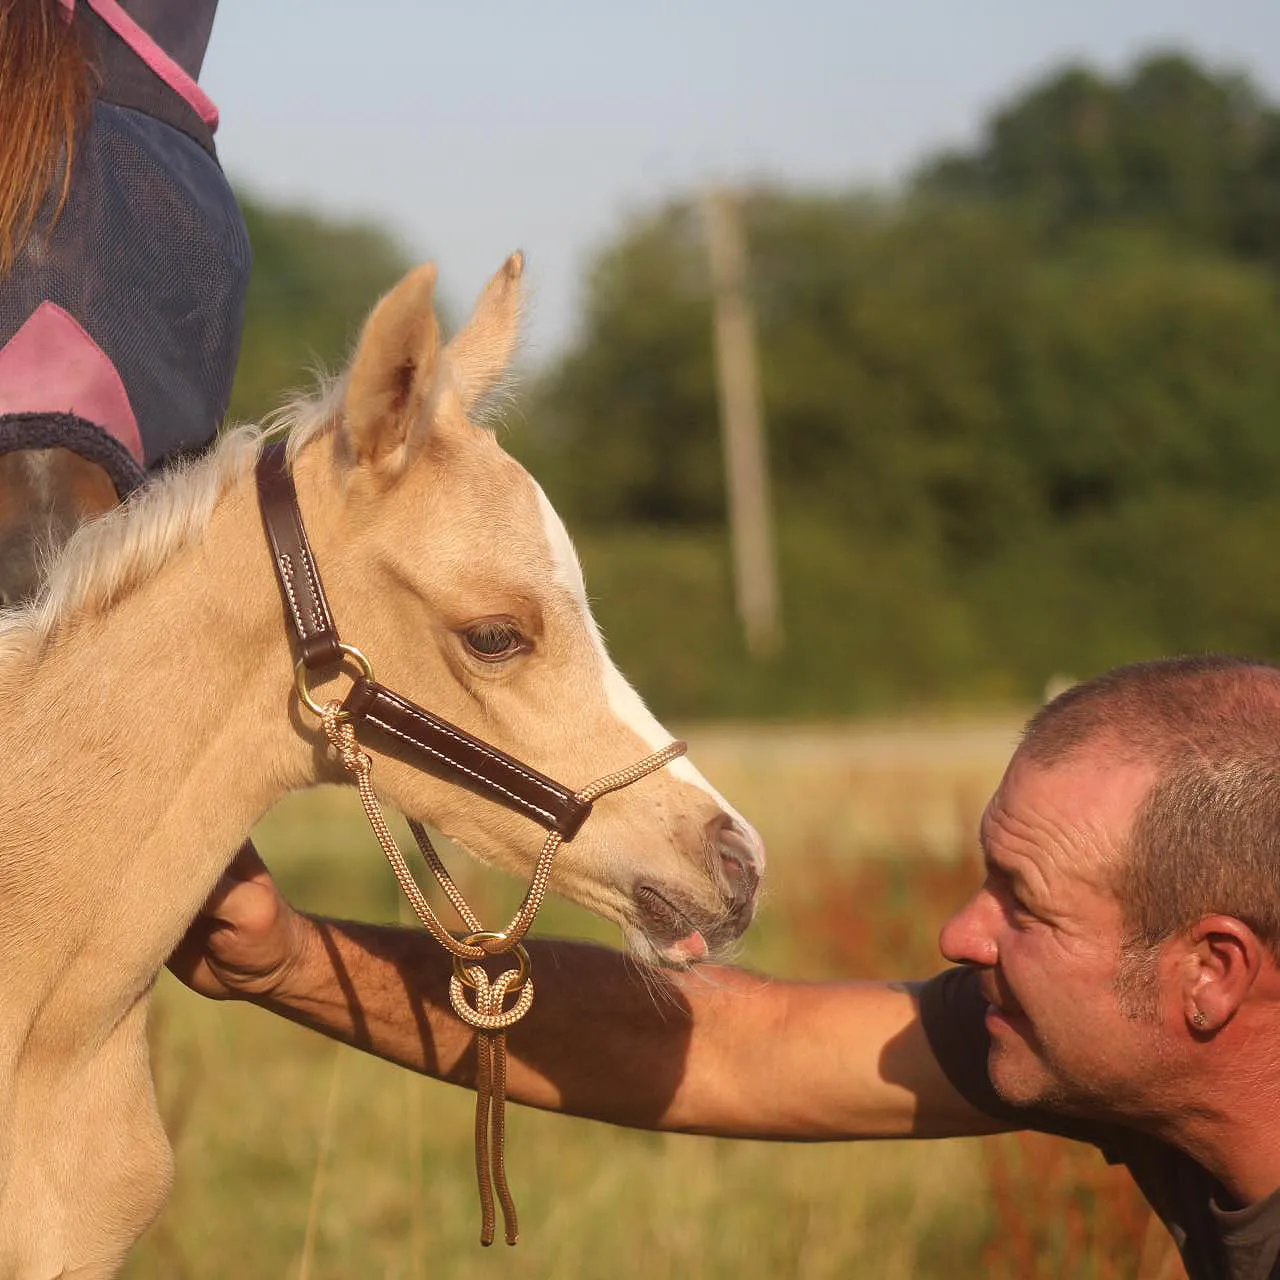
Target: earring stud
{"points": [[1199, 1017]]}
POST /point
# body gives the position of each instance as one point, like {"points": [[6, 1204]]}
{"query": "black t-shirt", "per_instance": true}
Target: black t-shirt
{"points": [[1216, 1243]]}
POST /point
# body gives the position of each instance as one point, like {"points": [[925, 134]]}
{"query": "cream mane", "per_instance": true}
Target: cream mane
{"points": [[107, 558]]}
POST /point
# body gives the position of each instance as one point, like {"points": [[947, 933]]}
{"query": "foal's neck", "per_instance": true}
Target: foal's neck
{"points": [[149, 737]]}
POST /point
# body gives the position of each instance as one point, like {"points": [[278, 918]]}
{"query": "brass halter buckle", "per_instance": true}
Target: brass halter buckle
{"points": [[304, 692]]}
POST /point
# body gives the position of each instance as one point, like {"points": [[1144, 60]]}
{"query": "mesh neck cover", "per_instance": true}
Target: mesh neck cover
{"points": [[149, 260]]}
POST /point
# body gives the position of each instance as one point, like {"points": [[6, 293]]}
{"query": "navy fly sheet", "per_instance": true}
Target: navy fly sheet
{"points": [[120, 321]]}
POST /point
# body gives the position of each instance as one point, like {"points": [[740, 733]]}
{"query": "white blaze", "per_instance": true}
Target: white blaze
{"points": [[623, 700]]}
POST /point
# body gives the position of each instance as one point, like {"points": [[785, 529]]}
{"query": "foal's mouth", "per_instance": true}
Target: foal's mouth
{"points": [[673, 930]]}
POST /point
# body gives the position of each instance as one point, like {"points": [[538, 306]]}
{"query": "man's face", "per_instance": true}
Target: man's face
{"points": [[1046, 930]]}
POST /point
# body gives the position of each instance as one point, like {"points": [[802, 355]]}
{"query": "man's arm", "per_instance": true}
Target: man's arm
{"points": [[710, 1050]]}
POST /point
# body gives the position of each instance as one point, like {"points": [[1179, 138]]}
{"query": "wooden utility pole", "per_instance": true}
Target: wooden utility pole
{"points": [[741, 430]]}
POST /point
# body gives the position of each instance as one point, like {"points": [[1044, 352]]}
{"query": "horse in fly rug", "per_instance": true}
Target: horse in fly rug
{"points": [[124, 263]]}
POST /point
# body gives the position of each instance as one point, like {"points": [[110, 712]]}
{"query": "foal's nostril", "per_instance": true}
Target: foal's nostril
{"points": [[743, 878], [740, 858]]}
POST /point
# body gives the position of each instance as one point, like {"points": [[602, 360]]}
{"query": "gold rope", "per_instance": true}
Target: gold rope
{"points": [[487, 1015]]}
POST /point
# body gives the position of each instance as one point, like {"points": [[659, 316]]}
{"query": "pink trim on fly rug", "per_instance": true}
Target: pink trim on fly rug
{"points": [[154, 56], [51, 365]]}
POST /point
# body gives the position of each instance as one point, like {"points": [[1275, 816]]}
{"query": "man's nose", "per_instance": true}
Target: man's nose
{"points": [[969, 937]]}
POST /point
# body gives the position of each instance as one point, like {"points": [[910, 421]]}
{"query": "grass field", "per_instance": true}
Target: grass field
{"points": [[299, 1159]]}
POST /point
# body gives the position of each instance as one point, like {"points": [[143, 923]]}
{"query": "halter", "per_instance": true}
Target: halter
{"points": [[431, 743]]}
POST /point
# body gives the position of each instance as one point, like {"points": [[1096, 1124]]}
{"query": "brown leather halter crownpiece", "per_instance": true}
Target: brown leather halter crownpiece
{"points": [[432, 742], [435, 744]]}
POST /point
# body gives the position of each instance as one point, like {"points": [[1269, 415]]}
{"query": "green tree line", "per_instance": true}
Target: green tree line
{"points": [[1021, 414], [313, 282]]}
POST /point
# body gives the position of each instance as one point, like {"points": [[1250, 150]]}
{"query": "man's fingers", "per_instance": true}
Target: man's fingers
{"points": [[247, 865], [225, 887], [241, 934], [248, 885]]}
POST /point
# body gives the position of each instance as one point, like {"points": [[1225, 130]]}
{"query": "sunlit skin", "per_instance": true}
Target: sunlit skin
{"points": [[1047, 931]]}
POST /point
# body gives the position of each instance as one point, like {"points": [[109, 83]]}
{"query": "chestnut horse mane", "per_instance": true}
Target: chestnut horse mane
{"points": [[45, 83]]}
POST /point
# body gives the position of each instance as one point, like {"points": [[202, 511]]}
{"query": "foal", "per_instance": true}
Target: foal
{"points": [[149, 723]]}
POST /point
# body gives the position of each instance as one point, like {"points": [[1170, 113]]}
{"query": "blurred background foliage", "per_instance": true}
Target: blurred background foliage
{"points": [[1021, 414], [312, 284]]}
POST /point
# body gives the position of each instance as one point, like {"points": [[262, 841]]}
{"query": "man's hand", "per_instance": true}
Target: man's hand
{"points": [[245, 939]]}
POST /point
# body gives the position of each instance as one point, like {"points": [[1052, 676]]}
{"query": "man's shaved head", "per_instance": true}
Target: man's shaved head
{"points": [[1206, 838]]}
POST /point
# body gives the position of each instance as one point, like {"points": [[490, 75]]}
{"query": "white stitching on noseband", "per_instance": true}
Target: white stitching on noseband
{"points": [[521, 802]]}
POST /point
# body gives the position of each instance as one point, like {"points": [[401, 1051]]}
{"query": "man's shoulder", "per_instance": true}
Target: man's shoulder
{"points": [[1216, 1243], [952, 1013]]}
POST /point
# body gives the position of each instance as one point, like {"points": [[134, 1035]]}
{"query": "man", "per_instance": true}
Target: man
{"points": [[1119, 978]]}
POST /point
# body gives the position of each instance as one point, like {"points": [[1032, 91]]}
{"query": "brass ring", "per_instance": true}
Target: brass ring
{"points": [[300, 678], [474, 939]]}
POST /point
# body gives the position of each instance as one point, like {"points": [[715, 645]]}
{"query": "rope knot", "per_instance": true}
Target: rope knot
{"points": [[486, 1011], [484, 1008], [342, 738]]}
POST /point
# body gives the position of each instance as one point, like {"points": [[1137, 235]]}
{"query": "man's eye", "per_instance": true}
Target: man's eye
{"points": [[1020, 908], [495, 639]]}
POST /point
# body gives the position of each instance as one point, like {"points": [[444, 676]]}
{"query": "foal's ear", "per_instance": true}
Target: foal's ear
{"points": [[478, 355], [391, 376]]}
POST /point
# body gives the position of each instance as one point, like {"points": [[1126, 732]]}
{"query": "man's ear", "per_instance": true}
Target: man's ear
{"points": [[389, 385], [1224, 959]]}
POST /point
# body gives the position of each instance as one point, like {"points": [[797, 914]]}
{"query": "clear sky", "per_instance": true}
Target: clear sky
{"points": [[474, 127]]}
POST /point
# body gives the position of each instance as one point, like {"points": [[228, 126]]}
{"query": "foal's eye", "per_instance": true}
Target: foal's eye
{"points": [[495, 639]]}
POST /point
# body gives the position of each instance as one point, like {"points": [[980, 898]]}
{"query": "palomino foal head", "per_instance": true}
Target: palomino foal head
{"points": [[448, 567]]}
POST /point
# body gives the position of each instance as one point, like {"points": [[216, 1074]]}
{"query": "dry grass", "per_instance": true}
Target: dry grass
{"points": [[300, 1160]]}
